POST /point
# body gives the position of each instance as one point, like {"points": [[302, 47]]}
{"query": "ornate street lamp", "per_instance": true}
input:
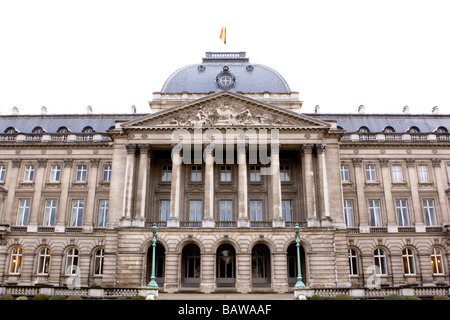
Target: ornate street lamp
{"points": [[299, 284], [152, 284]]}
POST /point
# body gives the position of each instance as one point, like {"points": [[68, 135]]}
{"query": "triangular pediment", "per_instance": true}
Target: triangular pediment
{"points": [[225, 109]]}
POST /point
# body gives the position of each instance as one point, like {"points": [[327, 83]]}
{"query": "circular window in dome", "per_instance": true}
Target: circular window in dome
{"points": [[225, 79]]}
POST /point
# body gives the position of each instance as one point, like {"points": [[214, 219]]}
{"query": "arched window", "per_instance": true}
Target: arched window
{"points": [[379, 257], [408, 261], [388, 129], [11, 130], [63, 130], [38, 130], [72, 262], [98, 263], [441, 130], [88, 130], [44, 261], [353, 262], [363, 129], [437, 261], [16, 260], [413, 129]]}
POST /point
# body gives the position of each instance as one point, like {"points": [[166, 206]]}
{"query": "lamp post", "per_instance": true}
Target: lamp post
{"points": [[152, 284], [299, 284]]}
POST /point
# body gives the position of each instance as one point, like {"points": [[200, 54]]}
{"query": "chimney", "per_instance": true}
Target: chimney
{"points": [[43, 110], [15, 110], [317, 109], [406, 109], [133, 109], [361, 109], [89, 110], [435, 110]]}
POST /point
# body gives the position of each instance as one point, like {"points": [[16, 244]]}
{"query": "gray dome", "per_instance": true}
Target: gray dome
{"points": [[240, 76]]}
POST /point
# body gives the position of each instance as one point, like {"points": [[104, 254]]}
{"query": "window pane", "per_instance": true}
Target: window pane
{"points": [[81, 173], [226, 211], [345, 176], [423, 173], [195, 210], [166, 173], [50, 212], [24, 210], [103, 213], [164, 210], [255, 173], [225, 173], [107, 173], [286, 210], [397, 175], [402, 213], [375, 213], [196, 174], [77, 213], [55, 173], [2, 173], [348, 213], [256, 210], [285, 175], [370, 173], [429, 212]]}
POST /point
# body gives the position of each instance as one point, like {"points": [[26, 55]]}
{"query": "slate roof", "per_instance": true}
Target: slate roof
{"points": [[377, 122], [249, 78]]}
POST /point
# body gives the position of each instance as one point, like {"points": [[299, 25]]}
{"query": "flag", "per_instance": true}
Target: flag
{"points": [[223, 35]]}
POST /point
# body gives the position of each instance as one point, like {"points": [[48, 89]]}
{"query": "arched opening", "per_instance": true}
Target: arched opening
{"points": [[226, 266], [159, 264], [292, 264], [190, 266], [260, 266]]}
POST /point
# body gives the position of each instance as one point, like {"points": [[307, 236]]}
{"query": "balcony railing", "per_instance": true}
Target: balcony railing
{"points": [[226, 224], [260, 224]]}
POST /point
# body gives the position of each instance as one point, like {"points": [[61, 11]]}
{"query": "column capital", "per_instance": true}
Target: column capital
{"points": [[320, 148], [410, 162], [144, 148], [274, 148], [384, 162], [307, 148], [94, 162], [357, 162], [131, 148], [68, 163], [16, 163], [42, 163], [436, 162], [242, 148]]}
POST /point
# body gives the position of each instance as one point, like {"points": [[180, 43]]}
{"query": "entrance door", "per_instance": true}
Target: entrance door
{"points": [[292, 264], [191, 266], [226, 266], [260, 266]]}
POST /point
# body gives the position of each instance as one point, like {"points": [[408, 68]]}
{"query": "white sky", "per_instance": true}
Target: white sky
{"points": [[112, 54]]}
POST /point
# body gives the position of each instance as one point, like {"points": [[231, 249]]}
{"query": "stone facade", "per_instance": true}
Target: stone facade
{"points": [[76, 208]]}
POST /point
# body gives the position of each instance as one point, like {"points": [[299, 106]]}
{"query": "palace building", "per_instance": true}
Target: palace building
{"points": [[225, 164]]}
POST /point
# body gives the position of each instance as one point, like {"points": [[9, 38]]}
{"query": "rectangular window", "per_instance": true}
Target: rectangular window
{"points": [[256, 210], [164, 210], [345, 173], [195, 210], [81, 173], [2, 173], [23, 212], [423, 173], [429, 212], [103, 213], [348, 213], [50, 212], [375, 213], [55, 173], [226, 210], [370, 173], [286, 210], [225, 173], [77, 213], [402, 213], [196, 174], [255, 173], [107, 173], [29, 174], [166, 173], [397, 175], [285, 175]]}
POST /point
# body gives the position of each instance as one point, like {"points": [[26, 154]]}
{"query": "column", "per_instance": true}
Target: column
{"points": [[125, 221], [36, 201], [324, 201], [142, 187], [88, 222], [243, 220], [62, 205], [208, 212], [11, 177], [417, 207], [309, 186], [441, 184], [277, 218], [208, 272], [175, 188], [362, 205], [390, 209]]}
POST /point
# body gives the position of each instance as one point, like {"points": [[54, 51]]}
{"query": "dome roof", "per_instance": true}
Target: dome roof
{"points": [[230, 71]]}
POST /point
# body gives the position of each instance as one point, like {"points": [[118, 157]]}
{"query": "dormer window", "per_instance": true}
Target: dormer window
{"points": [[441, 130], [88, 130], [363, 130], [11, 130], [388, 129], [413, 130], [38, 130], [63, 130]]}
